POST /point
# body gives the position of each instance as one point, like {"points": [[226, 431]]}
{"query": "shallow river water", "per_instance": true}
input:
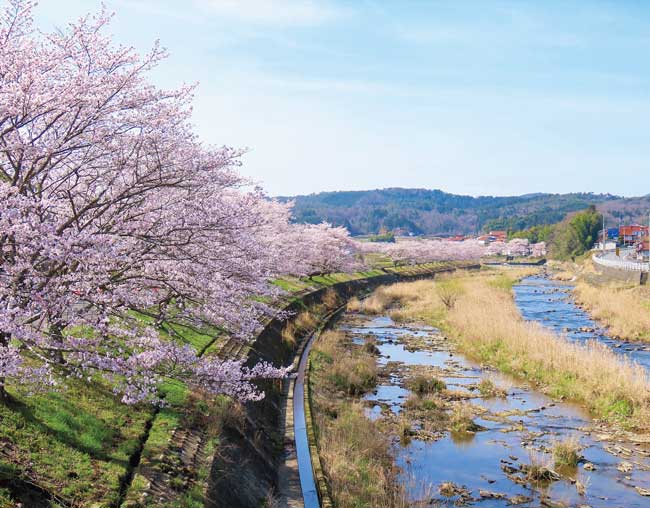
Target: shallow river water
{"points": [[549, 302], [486, 467]]}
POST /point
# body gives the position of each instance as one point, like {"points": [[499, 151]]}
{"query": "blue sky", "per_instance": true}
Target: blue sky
{"points": [[472, 97]]}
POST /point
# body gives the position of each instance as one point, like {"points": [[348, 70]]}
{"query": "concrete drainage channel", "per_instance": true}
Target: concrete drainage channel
{"points": [[302, 482], [312, 481]]}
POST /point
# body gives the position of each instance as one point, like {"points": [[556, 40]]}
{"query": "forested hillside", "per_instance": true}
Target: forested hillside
{"points": [[421, 211]]}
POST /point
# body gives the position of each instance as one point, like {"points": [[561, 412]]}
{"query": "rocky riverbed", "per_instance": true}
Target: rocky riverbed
{"points": [[465, 434]]}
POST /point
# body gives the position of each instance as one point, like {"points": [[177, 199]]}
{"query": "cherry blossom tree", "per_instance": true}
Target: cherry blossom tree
{"points": [[108, 203], [538, 249], [322, 249], [518, 247], [411, 251]]}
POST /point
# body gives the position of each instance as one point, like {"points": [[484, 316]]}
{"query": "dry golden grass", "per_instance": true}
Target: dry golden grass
{"points": [[305, 321], [564, 276], [289, 334], [385, 298], [377, 302], [418, 300], [626, 311], [566, 453], [355, 452], [354, 305], [349, 371], [358, 462], [487, 325], [330, 299]]}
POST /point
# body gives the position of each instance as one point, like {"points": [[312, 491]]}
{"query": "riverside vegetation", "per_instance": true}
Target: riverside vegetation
{"points": [[624, 310], [431, 404], [487, 326]]}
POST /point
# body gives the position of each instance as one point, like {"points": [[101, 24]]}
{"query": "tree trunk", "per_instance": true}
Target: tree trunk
{"points": [[4, 396], [56, 332]]}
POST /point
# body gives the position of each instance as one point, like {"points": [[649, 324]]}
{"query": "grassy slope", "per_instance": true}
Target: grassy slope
{"points": [[76, 443]]}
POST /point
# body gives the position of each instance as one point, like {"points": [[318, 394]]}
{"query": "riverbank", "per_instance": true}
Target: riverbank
{"points": [[355, 452], [625, 311], [104, 453]]}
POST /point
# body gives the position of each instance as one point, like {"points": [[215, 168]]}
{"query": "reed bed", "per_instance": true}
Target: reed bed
{"points": [[358, 462]]}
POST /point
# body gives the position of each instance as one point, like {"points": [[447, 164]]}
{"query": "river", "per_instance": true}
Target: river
{"points": [[515, 430]]}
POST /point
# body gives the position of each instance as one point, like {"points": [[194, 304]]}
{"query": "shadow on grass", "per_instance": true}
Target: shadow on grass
{"points": [[71, 426]]}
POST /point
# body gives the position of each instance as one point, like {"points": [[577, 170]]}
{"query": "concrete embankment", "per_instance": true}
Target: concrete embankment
{"points": [[254, 462]]}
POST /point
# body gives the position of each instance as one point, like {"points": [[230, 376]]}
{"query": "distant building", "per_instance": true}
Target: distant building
{"points": [[629, 235], [501, 236], [609, 245], [486, 239]]}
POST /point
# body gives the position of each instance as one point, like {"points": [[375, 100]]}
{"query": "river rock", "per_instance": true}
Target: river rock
{"points": [[486, 494], [508, 469], [588, 466], [520, 499], [450, 489], [624, 467], [643, 492]]}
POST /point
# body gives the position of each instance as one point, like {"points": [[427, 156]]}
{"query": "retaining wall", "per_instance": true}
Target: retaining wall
{"points": [[607, 274]]}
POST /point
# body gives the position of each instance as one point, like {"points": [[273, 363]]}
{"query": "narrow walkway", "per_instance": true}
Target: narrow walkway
{"points": [[289, 477], [297, 484]]}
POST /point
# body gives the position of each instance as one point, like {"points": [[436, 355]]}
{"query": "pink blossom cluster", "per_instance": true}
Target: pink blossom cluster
{"points": [[109, 204], [517, 247]]}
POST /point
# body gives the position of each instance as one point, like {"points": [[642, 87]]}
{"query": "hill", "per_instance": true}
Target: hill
{"points": [[434, 212]]}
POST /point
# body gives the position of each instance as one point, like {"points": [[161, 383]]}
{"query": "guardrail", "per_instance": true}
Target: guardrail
{"points": [[629, 266]]}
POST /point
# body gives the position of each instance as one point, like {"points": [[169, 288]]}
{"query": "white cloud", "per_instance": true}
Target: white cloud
{"points": [[277, 12]]}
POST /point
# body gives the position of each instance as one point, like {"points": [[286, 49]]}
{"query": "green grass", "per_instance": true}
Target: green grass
{"points": [[423, 385], [378, 266], [76, 443], [198, 337]]}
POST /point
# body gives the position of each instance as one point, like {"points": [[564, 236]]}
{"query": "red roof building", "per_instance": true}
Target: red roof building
{"points": [[499, 235], [630, 234]]}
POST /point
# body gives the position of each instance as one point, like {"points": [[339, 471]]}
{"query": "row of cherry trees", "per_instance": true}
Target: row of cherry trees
{"points": [[111, 208], [411, 251]]}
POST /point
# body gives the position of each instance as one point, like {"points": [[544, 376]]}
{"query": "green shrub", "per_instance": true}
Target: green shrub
{"points": [[423, 385]]}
